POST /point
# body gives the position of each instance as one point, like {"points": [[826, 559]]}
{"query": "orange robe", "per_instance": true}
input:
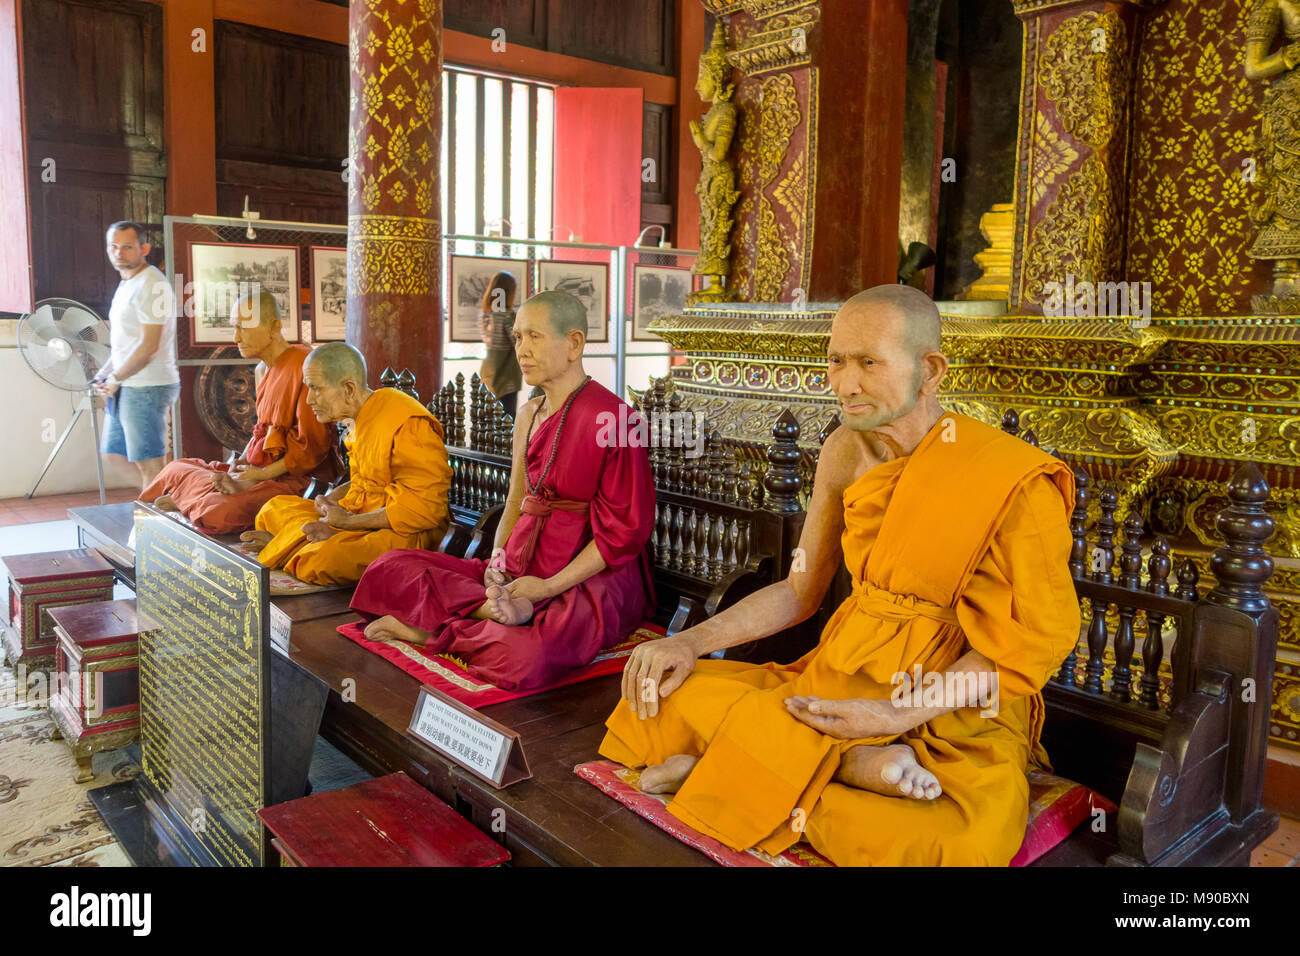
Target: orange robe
{"points": [[962, 544], [286, 428], [399, 463]]}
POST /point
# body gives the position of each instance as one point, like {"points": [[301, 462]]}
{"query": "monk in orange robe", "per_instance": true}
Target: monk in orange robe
{"points": [[570, 575], [881, 745], [289, 446], [397, 495]]}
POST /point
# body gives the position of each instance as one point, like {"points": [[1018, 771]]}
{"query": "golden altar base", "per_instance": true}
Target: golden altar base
{"points": [[1162, 410]]}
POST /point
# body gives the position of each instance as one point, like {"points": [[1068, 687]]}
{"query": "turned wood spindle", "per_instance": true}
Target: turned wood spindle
{"points": [[1153, 651], [1130, 563]]}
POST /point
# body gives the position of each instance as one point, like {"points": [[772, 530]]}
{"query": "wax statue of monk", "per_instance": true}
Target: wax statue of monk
{"points": [[956, 536], [289, 446], [397, 495], [570, 571]]}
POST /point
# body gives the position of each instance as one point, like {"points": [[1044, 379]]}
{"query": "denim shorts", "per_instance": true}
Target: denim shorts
{"points": [[135, 424]]}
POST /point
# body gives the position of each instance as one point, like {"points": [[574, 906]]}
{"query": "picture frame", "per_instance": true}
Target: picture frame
{"points": [[223, 271], [589, 281], [656, 291], [329, 293], [468, 280]]}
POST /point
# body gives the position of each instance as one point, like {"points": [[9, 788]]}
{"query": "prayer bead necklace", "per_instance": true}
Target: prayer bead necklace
{"points": [[555, 443]]}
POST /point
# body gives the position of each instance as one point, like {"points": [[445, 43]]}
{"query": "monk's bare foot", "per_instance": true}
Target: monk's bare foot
{"points": [[504, 609], [389, 628], [891, 771], [165, 503], [256, 539], [668, 776]]}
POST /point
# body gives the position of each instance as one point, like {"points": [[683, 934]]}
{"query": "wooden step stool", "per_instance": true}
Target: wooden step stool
{"points": [[388, 821], [38, 582], [95, 701]]}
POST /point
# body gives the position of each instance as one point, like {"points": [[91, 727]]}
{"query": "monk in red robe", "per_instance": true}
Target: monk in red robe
{"points": [[289, 446], [570, 574]]}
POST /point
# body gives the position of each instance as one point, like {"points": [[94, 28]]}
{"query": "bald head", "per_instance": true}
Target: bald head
{"points": [[335, 376], [915, 314], [565, 311], [338, 362], [257, 309]]}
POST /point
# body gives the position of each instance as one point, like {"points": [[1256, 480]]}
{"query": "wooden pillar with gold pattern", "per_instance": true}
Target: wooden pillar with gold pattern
{"points": [[394, 197]]}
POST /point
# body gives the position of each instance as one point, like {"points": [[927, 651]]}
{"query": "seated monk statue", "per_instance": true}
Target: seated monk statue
{"points": [[289, 446], [397, 495], [876, 747], [570, 571]]}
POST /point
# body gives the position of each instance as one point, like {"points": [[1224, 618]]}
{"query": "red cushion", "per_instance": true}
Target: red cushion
{"points": [[1056, 807]]}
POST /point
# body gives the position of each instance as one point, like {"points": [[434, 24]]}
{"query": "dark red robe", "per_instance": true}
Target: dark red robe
{"points": [[592, 492]]}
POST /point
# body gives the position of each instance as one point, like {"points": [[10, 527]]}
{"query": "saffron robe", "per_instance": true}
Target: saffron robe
{"points": [[598, 489], [286, 428], [398, 462], [962, 544]]}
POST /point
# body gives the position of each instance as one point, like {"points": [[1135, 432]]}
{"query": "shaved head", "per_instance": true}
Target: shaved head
{"points": [[566, 312], [338, 362], [258, 309], [921, 327]]}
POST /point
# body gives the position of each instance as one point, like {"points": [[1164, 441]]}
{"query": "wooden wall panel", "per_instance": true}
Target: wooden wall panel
{"points": [[639, 35], [657, 144], [282, 130], [93, 97], [15, 244], [523, 20]]}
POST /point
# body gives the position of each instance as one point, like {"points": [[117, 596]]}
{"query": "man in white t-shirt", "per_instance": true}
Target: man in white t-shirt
{"points": [[141, 380]]}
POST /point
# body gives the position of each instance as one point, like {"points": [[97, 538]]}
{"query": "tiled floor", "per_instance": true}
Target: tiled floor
{"points": [[1282, 848], [19, 511]]}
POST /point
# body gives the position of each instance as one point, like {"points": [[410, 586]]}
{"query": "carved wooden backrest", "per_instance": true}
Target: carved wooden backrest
{"points": [[1199, 746], [478, 449]]}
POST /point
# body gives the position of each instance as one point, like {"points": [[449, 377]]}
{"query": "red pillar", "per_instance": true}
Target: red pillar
{"points": [[394, 207]]}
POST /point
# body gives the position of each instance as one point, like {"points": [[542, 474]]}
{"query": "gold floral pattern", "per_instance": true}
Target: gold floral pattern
{"points": [[1194, 117]]}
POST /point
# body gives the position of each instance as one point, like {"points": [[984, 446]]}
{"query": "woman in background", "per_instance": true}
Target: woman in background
{"points": [[500, 371]]}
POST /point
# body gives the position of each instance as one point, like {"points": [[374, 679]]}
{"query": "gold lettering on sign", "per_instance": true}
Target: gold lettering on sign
{"points": [[201, 687]]}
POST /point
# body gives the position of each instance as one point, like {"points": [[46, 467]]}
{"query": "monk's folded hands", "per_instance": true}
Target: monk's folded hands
{"points": [[852, 719], [318, 531]]}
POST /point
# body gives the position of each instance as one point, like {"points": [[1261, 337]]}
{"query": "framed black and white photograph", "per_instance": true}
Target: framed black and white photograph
{"points": [[329, 293], [470, 276], [225, 272], [589, 281], [656, 291]]}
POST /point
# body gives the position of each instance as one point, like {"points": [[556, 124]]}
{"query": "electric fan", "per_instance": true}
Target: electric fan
{"points": [[66, 344]]}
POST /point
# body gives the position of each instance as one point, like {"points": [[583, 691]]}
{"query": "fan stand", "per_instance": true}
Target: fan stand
{"points": [[99, 462]]}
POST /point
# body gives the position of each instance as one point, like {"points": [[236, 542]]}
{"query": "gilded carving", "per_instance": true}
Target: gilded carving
{"points": [[394, 254], [717, 185], [777, 43], [780, 117], [1083, 74], [1277, 207]]}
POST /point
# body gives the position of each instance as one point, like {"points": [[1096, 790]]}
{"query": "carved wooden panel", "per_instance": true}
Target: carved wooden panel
{"points": [[636, 35], [94, 137]]}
